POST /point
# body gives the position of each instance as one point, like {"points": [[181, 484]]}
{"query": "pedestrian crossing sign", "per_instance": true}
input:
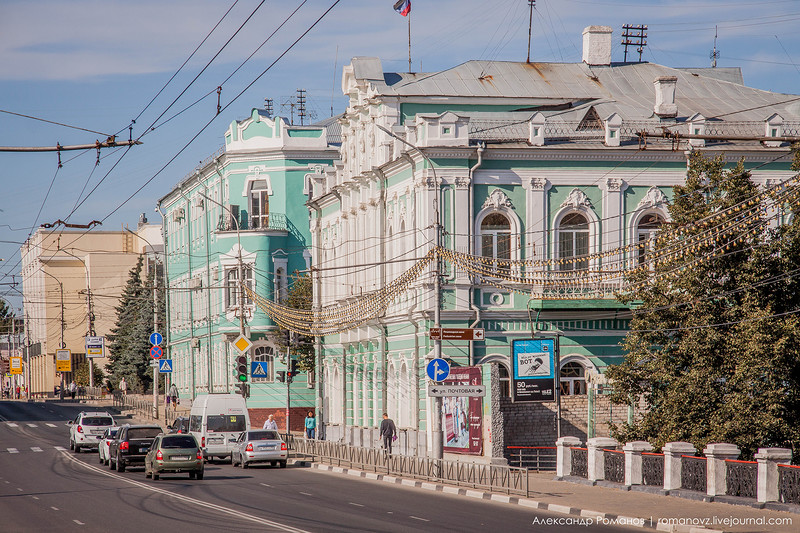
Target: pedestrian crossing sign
{"points": [[258, 369], [165, 366]]}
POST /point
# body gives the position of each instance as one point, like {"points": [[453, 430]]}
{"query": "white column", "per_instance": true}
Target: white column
{"points": [[672, 462], [596, 456], [767, 479], [613, 224], [716, 469], [633, 460], [564, 455], [536, 222]]}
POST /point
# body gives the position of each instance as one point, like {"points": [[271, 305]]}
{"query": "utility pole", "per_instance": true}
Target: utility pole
{"points": [[531, 4], [155, 366], [634, 35], [714, 55]]}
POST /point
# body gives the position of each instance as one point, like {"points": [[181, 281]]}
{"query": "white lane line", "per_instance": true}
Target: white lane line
{"points": [[54, 508], [12, 450], [35, 497], [200, 503], [79, 522], [36, 449], [264, 484], [356, 504], [32, 425], [306, 494], [13, 425], [48, 424], [60, 448], [19, 489], [418, 518]]}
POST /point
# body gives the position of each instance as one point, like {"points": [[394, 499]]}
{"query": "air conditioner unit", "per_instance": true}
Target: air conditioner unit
{"points": [[178, 214], [196, 283], [198, 201]]}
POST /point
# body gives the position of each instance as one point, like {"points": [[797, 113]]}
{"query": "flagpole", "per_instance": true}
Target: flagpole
{"points": [[409, 42]]}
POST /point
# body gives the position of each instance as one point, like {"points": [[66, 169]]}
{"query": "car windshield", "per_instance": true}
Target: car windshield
{"points": [[143, 433], [263, 435], [229, 423], [97, 421], [182, 441]]}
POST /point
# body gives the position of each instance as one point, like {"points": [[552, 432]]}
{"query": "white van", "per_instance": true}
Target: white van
{"points": [[216, 421]]}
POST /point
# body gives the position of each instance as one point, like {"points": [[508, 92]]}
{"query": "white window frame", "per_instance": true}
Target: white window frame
{"points": [[594, 233]]}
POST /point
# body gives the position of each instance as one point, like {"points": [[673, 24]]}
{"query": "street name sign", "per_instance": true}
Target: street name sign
{"points": [[457, 334], [438, 370], [16, 365], [94, 346], [165, 366], [456, 390], [63, 361]]}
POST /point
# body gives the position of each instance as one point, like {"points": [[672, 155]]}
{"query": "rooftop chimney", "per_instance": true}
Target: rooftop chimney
{"points": [[665, 96], [597, 45]]}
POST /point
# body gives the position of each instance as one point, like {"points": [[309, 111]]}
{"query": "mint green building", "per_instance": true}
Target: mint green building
{"points": [[247, 200]]}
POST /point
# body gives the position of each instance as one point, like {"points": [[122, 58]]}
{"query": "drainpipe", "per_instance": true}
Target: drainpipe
{"points": [[227, 348], [316, 281], [208, 289], [191, 303], [471, 246]]}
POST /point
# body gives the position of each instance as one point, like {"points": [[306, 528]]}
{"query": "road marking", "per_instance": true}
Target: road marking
{"points": [[12, 450], [79, 522], [13, 425], [54, 508], [35, 497], [306, 494], [19, 489], [264, 484], [418, 518], [35, 449], [50, 425], [32, 425], [60, 448], [356, 504], [200, 503]]}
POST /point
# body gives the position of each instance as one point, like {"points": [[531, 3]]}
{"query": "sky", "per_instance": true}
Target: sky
{"points": [[91, 68]]}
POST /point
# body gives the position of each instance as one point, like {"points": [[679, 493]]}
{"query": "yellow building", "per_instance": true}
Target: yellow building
{"points": [[72, 281]]}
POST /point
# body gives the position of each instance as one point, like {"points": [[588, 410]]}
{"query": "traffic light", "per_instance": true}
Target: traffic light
{"points": [[241, 368], [243, 389], [293, 368], [281, 376]]}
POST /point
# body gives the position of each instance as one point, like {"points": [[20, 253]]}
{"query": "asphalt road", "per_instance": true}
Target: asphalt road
{"points": [[45, 487]]}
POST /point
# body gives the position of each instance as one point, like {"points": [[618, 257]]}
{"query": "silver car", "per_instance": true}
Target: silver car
{"points": [[259, 446], [105, 442]]}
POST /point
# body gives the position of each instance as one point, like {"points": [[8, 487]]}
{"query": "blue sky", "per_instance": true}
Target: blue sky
{"points": [[97, 64]]}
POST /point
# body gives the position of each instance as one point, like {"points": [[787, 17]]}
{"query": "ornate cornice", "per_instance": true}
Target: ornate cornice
{"points": [[653, 198], [577, 199], [497, 199]]}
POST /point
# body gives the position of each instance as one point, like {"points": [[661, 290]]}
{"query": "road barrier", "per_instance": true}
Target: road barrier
{"points": [[507, 479], [130, 402]]}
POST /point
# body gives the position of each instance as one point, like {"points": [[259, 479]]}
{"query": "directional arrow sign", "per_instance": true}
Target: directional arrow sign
{"points": [[438, 370], [457, 334], [456, 390]]}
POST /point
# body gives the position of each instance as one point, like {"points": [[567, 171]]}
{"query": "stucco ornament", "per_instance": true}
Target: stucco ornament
{"points": [[653, 198], [577, 199], [498, 199]]}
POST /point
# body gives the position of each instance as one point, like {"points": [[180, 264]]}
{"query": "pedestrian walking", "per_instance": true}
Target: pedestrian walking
{"points": [[311, 425], [270, 423], [173, 393], [73, 389], [123, 386], [388, 431]]}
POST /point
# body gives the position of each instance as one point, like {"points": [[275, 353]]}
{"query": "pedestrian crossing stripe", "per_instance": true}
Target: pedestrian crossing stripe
{"points": [[165, 366], [50, 425], [258, 370], [32, 426], [13, 425]]}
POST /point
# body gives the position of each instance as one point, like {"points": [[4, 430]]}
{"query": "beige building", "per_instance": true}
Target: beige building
{"points": [[72, 280]]}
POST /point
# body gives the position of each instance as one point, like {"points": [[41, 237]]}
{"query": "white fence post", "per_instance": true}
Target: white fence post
{"points": [[716, 469], [767, 479], [672, 463], [633, 460], [596, 457], [564, 455]]}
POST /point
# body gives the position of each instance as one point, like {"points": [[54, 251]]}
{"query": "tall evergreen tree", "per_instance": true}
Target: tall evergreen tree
{"points": [[713, 348]]}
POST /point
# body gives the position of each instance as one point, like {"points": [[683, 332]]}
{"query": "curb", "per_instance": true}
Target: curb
{"points": [[594, 516]]}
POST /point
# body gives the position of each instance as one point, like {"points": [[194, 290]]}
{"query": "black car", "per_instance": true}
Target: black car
{"points": [[180, 425], [131, 445]]}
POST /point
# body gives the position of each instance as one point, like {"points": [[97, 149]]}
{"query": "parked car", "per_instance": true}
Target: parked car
{"points": [[259, 446], [105, 442], [180, 425], [87, 429], [131, 445], [174, 453]]}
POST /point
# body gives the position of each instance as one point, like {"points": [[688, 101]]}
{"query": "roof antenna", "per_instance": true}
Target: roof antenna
{"points": [[532, 4], [714, 55]]}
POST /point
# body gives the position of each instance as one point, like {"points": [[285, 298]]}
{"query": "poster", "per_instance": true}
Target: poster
{"points": [[534, 370], [462, 417]]}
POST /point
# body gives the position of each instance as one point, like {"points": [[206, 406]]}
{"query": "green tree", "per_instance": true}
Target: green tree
{"points": [[6, 316], [712, 349], [129, 345], [299, 296], [82, 375]]}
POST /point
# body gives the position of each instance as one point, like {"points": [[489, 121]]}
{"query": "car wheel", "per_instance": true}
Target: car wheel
{"points": [[199, 475], [283, 464], [77, 448], [244, 464], [155, 476], [192, 475], [233, 462], [120, 466], [71, 445], [100, 458], [272, 463], [146, 473]]}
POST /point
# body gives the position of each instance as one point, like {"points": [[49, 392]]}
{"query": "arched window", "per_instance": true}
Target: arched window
{"points": [[645, 235], [573, 242], [496, 237], [264, 355], [573, 379], [505, 381], [259, 204]]}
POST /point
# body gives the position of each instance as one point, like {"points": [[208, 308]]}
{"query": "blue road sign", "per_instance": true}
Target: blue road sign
{"points": [[156, 338], [258, 369], [438, 370], [165, 366]]}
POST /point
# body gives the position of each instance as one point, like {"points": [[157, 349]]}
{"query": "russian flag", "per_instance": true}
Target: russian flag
{"points": [[403, 7]]}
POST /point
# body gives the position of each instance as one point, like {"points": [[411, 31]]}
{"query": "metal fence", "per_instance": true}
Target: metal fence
{"points": [[653, 469], [580, 462], [693, 473], [507, 479], [789, 484], [126, 402], [614, 466], [740, 478], [539, 458]]}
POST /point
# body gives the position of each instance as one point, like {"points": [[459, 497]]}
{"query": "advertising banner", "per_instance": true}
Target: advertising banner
{"points": [[462, 416], [534, 378]]}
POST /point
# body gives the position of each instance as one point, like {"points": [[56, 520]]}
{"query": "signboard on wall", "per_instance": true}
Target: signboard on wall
{"points": [[462, 416], [63, 361], [534, 377]]}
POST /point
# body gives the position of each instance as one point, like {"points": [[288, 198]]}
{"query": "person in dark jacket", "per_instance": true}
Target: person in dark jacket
{"points": [[387, 431]]}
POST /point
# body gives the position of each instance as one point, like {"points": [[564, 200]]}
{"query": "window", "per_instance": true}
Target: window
{"points": [[232, 286], [264, 355], [496, 237], [505, 381], [259, 205], [645, 235], [226, 423], [573, 379], [573, 242]]}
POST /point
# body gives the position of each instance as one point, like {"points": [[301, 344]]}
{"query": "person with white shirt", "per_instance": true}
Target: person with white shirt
{"points": [[270, 423]]}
